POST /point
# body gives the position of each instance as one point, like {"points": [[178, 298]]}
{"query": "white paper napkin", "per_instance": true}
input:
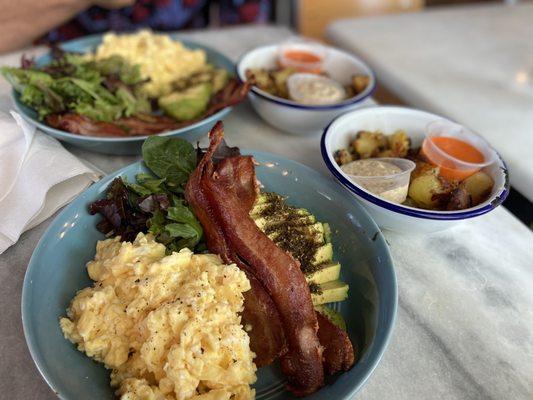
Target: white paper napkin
{"points": [[37, 177]]}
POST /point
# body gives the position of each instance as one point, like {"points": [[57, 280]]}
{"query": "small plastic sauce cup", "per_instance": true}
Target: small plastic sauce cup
{"points": [[457, 151], [303, 55], [392, 187]]}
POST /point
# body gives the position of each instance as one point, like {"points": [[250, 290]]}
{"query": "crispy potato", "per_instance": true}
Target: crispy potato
{"points": [[399, 143], [409, 202], [478, 186], [343, 156], [386, 153], [427, 191], [360, 82], [459, 199], [280, 80], [350, 91], [369, 144], [262, 79], [424, 168]]}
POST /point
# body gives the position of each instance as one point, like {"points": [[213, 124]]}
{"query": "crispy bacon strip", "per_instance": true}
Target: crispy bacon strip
{"points": [[145, 124], [339, 353], [267, 339], [277, 271]]}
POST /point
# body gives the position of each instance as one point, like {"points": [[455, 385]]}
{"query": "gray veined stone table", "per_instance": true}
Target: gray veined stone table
{"points": [[473, 64], [465, 319]]}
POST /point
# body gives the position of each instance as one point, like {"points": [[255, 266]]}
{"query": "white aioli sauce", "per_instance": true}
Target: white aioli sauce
{"points": [[373, 176], [314, 89]]}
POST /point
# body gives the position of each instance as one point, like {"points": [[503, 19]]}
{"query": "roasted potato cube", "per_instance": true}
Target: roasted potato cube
{"points": [[369, 144], [350, 91], [424, 168], [343, 156], [425, 190], [280, 80], [459, 200], [262, 79], [478, 186], [360, 82], [409, 202], [399, 143], [386, 153]]}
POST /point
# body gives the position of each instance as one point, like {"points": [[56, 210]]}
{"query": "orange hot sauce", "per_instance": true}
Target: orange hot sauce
{"points": [[456, 148], [300, 58]]}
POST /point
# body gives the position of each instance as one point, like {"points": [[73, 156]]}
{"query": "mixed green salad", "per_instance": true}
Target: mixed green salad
{"points": [[104, 90], [154, 202]]}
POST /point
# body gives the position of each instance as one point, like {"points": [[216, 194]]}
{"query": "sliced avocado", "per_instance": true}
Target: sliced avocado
{"points": [[315, 232], [262, 198], [264, 223], [323, 254], [219, 79], [327, 232], [326, 273], [260, 209], [332, 315], [187, 104], [330, 292]]}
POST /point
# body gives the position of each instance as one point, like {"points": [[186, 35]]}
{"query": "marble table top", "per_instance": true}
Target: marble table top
{"points": [[465, 320], [472, 64]]}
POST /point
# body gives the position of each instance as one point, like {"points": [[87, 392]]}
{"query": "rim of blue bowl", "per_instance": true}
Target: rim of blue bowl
{"points": [[386, 318], [496, 200], [88, 41], [288, 103]]}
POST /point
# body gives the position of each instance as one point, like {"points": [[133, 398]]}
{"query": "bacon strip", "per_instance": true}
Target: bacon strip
{"points": [[267, 339], [277, 271], [339, 353]]}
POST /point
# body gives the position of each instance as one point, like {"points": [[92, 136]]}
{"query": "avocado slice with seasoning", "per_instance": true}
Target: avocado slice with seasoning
{"points": [[296, 230], [327, 272], [332, 315], [219, 79], [270, 224], [330, 292], [188, 103], [315, 232]]}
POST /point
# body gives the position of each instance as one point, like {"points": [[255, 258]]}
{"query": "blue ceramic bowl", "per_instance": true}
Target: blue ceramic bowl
{"points": [[128, 145], [57, 270]]}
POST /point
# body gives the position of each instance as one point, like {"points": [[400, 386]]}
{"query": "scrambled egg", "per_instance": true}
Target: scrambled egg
{"points": [[161, 59], [167, 326]]}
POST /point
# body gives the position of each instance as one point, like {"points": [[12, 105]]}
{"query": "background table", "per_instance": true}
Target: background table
{"points": [[464, 328], [472, 64]]}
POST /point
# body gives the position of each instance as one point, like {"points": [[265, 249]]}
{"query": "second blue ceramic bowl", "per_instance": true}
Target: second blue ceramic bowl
{"points": [[128, 145]]}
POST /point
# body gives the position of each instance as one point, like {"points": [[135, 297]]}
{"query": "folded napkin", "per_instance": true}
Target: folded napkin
{"points": [[37, 177]]}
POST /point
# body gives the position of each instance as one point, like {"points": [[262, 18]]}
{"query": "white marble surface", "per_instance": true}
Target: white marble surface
{"points": [[473, 64], [465, 319]]}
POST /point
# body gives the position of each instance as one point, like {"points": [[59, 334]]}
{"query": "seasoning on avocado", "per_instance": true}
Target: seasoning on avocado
{"points": [[315, 288], [291, 238]]}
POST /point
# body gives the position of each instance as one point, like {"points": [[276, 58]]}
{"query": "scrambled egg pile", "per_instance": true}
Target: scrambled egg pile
{"points": [[160, 58], [167, 326]]}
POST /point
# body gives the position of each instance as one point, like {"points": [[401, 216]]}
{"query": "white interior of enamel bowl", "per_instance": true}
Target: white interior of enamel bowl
{"points": [[339, 65], [387, 120]]}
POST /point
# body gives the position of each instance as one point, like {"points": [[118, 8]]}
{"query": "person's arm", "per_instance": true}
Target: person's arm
{"points": [[22, 21]]}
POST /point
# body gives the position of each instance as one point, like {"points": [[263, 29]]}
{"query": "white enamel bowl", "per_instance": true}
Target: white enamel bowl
{"points": [[301, 119], [389, 215]]}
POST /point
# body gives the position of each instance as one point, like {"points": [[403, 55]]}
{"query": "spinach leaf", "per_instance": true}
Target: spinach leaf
{"points": [[171, 158], [178, 230]]}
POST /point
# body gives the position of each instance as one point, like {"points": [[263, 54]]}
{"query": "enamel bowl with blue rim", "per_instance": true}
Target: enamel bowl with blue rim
{"points": [[303, 119], [389, 215]]}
